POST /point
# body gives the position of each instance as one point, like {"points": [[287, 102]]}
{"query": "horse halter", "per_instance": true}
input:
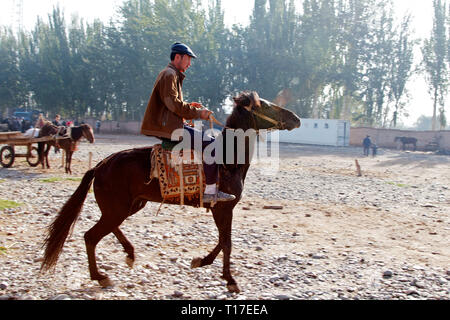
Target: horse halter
{"points": [[278, 124]]}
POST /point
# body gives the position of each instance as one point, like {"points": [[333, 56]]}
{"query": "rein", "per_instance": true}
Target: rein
{"points": [[277, 124], [272, 121]]}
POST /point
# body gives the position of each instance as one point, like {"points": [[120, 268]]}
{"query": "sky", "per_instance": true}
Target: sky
{"points": [[236, 11]]}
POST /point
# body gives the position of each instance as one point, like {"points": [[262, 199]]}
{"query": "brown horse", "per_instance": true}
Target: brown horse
{"points": [[121, 189], [64, 138]]}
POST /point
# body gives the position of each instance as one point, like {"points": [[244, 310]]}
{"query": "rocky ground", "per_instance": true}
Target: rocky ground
{"points": [[384, 235]]}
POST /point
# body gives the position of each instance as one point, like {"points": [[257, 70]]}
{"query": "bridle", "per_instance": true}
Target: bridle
{"points": [[278, 124]]}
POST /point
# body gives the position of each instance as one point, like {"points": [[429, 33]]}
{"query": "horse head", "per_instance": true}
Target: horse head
{"points": [[272, 116], [252, 112], [88, 133]]}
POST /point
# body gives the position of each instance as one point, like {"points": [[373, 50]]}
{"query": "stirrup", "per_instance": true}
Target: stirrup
{"points": [[219, 197]]}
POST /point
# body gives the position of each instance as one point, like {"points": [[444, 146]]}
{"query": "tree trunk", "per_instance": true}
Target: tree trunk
{"points": [[315, 106], [346, 108], [434, 120]]}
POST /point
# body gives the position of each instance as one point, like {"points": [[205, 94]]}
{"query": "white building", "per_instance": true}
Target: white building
{"points": [[324, 132]]}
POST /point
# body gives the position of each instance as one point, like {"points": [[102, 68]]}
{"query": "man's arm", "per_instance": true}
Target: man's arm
{"points": [[170, 97]]}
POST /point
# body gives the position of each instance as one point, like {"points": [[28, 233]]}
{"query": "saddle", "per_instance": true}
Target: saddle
{"points": [[180, 178], [64, 133]]}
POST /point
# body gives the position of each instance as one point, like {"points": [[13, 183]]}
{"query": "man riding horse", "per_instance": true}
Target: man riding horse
{"points": [[166, 110]]}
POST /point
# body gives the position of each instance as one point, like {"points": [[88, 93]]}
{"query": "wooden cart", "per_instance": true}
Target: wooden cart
{"points": [[14, 139]]}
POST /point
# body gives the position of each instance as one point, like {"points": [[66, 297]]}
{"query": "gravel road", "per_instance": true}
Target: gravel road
{"points": [[384, 235]]}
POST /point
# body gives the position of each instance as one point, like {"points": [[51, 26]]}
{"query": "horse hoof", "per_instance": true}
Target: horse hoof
{"points": [[233, 288], [196, 263], [106, 283], [130, 262]]}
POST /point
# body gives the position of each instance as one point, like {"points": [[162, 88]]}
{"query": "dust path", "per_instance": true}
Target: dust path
{"points": [[339, 236]]}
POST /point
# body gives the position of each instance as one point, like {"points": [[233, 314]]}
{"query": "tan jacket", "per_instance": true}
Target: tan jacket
{"points": [[166, 108]]}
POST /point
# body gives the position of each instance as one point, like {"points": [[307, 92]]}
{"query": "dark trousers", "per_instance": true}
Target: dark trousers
{"points": [[211, 170], [366, 151]]}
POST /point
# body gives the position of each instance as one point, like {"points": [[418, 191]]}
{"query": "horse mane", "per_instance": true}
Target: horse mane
{"points": [[76, 133], [248, 98], [47, 129], [244, 99]]}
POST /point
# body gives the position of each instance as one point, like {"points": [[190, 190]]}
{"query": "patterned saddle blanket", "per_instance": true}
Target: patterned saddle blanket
{"points": [[179, 176]]}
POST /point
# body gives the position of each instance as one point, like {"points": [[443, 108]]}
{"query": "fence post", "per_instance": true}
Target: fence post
{"points": [[90, 160]]}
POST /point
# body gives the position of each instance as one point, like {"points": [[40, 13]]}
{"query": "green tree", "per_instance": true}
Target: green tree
{"points": [[209, 78], [435, 62], [46, 65], [266, 62], [377, 63], [98, 59], [336, 58], [402, 61], [12, 90], [352, 28]]}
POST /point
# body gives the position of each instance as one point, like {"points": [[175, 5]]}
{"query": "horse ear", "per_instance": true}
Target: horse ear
{"points": [[283, 98], [255, 100]]}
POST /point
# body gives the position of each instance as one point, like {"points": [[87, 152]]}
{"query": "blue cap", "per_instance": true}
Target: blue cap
{"points": [[181, 48]]}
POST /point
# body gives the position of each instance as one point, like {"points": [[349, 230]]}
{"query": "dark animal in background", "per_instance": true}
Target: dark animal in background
{"points": [[121, 189], [407, 140], [63, 141]]}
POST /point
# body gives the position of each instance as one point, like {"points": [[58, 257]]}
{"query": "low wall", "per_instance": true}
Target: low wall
{"points": [[117, 127], [385, 137]]}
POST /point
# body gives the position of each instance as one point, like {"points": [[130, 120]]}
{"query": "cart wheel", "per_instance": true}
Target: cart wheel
{"points": [[33, 158], [7, 156]]}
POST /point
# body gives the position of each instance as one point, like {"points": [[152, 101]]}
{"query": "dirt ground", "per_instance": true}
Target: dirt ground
{"points": [[384, 235]]}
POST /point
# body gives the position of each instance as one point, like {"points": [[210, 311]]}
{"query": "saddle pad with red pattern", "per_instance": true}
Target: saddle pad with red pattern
{"points": [[167, 166]]}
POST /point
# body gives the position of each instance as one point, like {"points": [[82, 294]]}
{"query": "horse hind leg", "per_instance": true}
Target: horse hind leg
{"points": [[127, 246], [92, 238], [45, 159]]}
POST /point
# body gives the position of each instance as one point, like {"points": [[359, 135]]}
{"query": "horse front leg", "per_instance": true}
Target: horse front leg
{"points": [[209, 259], [226, 248], [224, 218]]}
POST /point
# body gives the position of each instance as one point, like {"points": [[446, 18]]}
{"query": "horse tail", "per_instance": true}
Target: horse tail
{"points": [[63, 224]]}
